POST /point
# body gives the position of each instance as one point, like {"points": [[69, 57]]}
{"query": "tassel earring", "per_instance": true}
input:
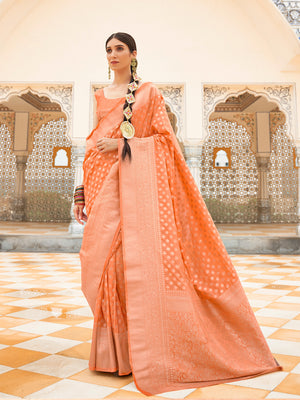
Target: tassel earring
{"points": [[133, 64], [108, 71]]}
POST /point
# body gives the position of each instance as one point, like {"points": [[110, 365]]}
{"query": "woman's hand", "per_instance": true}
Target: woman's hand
{"points": [[79, 214], [105, 144]]}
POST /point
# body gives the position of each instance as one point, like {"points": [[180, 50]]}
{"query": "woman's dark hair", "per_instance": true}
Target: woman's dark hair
{"points": [[130, 42]]}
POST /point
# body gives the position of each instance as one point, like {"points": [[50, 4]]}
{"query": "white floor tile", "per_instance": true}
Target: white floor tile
{"points": [[253, 284], [271, 277], [276, 313], [18, 286], [286, 270], [177, 394], [4, 368], [57, 365], [289, 299], [285, 282], [29, 303], [31, 313], [25, 294], [259, 303], [68, 285], [271, 292], [87, 324], [251, 273], [40, 327], [58, 273], [268, 330], [80, 301], [266, 382], [281, 395], [131, 387], [48, 344], [296, 370], [84, 311], [284, 347], [71, 389], [294, 324], [8, 397], [68, 292], [15, 279]]}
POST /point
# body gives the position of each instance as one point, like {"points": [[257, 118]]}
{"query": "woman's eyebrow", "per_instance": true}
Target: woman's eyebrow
{"points": [[117, 45]]}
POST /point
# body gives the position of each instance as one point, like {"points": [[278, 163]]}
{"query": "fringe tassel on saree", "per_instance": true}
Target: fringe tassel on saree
{"points": [[167, 301]]}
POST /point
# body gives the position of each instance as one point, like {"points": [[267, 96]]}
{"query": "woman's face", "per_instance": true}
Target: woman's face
{"points": [[118, 54]]}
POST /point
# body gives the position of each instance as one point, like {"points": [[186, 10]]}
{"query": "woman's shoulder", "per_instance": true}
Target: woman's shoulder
{"points": [[150, 87], [98, 92]]}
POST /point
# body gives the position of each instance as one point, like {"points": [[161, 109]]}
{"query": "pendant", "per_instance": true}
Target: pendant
{"points": [[127, 129]]}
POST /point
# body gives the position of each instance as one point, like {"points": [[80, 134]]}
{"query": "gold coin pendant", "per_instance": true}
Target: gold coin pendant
{"points": [[127, 129]]}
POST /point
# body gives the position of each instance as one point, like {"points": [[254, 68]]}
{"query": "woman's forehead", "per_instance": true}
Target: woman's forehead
{"points": [[115, 42]]}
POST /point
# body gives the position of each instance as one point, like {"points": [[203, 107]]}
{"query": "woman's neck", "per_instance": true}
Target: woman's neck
{"points": [[121, 78]]}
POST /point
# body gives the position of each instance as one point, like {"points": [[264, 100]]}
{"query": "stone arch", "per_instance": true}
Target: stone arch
{"points": [[7, 93], [282, 95], [270, 111], [32, 106]]}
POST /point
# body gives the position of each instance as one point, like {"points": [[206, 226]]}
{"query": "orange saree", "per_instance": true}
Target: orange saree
{"points": [[168, 304]]}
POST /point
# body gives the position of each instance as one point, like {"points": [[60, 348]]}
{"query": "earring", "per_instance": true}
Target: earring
{"points": [[108, 71], [134, 64]]}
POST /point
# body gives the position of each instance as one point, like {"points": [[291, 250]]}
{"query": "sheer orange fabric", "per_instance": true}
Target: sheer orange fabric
{"points": [[167, 301]]}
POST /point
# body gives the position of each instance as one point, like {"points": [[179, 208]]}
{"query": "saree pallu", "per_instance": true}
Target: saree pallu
{"points": [[179, 317]]}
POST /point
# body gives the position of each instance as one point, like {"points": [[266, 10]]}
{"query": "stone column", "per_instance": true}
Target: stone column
{"points": [[79, 151], [263, 197], [18, 207], [193, 155]]}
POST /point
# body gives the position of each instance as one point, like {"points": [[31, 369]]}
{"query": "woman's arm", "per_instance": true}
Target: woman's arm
{"points": [[106, 144], [79, 204]]}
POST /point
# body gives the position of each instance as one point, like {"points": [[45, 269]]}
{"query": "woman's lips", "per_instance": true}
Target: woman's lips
{"points": [[114, 62]]}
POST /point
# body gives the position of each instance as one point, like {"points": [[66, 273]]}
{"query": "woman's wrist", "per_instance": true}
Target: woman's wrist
{"points": [[79, 195]]}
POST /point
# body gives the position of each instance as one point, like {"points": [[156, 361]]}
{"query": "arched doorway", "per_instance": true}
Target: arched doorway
{"points": [[259, 181], [35, 184]]}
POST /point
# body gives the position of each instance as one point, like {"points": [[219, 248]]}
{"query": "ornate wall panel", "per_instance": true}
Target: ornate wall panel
{"points": [[291, 11], [281, 94], [61, 93], [7, 164], [230, 193], [48, 189], [282, 177]]}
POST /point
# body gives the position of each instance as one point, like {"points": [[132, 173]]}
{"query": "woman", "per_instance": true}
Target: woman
{"points": [[167, 301]]}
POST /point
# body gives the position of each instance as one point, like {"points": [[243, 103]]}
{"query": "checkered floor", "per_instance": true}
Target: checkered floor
{"points": [[61, 229], [46, 327]]}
